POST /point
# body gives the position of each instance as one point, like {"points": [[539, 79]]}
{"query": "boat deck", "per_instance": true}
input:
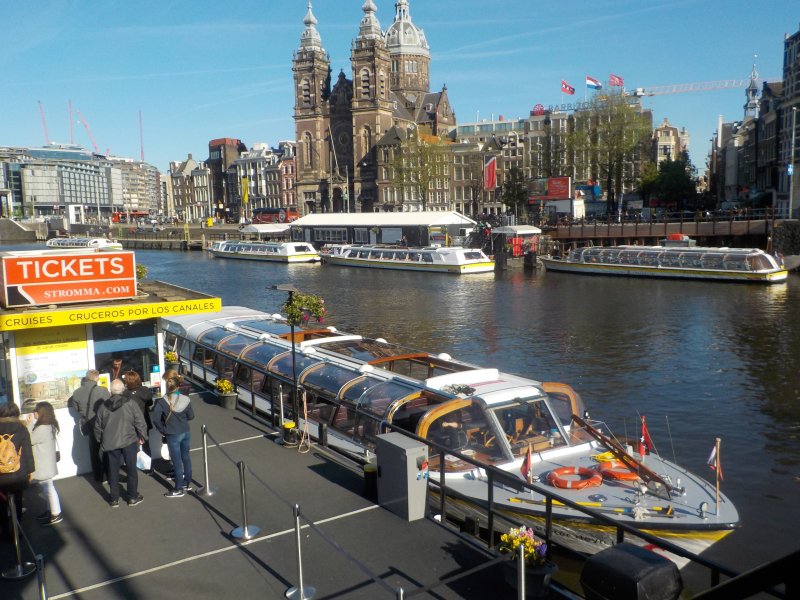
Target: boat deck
{"points": [[171, 547]]}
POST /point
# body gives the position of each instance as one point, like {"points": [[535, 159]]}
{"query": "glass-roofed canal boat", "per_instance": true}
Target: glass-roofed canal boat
{"points": [[677, 257], [358, 386]]}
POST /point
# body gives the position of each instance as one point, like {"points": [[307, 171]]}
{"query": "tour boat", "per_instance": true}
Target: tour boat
{"points": [[676, 257], [451, 259], [83, 242], [483, 417], [287, 252]]}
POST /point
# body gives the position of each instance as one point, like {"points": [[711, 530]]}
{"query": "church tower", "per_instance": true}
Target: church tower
{"points": [[410, 55], [751, 106], [371, 104], [312, 81]]}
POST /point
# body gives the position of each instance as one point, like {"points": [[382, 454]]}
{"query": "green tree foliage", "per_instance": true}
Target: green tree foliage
{"points": [[672, 182], [608, 139], [515, 192]]}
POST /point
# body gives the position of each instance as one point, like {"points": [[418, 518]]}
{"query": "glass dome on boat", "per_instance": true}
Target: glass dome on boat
{"points": [[328, 378], [261, 354], [213, 336], [233, 345], [379, 398], [273, 327], [355, 389], [365, 350], [283, 364]]}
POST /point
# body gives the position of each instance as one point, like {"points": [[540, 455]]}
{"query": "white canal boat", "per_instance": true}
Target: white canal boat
{"points": [[676, 258], [450, 259], [83, 242], [487, 418], [286, 252]]}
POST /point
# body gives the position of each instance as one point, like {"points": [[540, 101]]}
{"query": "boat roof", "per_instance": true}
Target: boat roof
{"points": [[384, 219], [680, 249]]}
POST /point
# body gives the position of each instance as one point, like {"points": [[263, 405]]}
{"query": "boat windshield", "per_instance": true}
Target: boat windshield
{"points": [[529, 422]]}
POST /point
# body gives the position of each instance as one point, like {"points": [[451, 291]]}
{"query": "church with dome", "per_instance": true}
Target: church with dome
{"points": [[341, 122]]}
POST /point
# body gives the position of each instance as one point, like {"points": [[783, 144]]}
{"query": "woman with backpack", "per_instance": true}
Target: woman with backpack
{"points": [[45, 447], [171, 416], [16, 463]]}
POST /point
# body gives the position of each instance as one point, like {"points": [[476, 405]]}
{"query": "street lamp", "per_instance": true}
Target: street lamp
{"points": [[790, 170], [290, 289]]}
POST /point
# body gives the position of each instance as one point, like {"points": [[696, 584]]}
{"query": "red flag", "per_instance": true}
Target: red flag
{"points": [[645, 443], [567, 88], [713, 461], [489, 173], [526, 465], [615, 80]]}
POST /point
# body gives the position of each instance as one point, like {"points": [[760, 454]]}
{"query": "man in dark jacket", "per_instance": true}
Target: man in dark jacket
{"points": [[86, 400], [119, 429], [16, 465]]}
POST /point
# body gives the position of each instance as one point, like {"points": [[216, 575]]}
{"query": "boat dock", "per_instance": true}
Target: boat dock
{"points": [[170, 547]]}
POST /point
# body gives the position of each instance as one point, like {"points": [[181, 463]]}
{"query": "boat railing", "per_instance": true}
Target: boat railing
{"points": [[496, 477]]}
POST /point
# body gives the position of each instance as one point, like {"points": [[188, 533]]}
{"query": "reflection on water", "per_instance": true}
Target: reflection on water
{"points": [[700, 360]]}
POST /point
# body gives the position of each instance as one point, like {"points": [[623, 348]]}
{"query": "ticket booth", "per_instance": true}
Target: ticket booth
{"points": [[63, 312]]}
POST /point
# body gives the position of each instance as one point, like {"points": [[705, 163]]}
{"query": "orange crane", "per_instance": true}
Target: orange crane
{"points": [[44, 124], [88, 131], [683, 88]]}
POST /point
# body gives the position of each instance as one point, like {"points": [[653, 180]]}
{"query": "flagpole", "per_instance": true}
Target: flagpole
{"points": [[530, 466], [717, 470]]}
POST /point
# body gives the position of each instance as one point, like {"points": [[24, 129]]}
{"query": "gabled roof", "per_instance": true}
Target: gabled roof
{"points": [[393, 136]]}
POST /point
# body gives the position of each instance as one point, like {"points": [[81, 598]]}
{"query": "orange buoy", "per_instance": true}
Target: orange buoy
{"points": [[588, 478], [617, 470]]}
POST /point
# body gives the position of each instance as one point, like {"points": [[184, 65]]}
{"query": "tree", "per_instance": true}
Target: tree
{"points": [[608, 139], [672, 182], [515, 192], [419, 164]]}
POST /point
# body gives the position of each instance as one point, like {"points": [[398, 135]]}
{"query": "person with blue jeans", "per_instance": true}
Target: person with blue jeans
{"points": [[171, 416]]}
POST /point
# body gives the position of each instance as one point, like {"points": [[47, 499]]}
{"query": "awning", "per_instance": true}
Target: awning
{"points": [[517, 230]]}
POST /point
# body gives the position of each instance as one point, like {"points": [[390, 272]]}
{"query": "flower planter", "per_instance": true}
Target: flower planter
{"points": [[228, 400]]}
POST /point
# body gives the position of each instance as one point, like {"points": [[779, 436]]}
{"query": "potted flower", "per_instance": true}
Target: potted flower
{"points": [[226, 392], [171, 357], [299, 308], [538, 568]]}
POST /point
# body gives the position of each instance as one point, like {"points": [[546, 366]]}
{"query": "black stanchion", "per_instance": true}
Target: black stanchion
{"points": [[21, 569]]}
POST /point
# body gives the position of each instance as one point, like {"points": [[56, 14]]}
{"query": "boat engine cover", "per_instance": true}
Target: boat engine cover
{"points": [[630, 572]]}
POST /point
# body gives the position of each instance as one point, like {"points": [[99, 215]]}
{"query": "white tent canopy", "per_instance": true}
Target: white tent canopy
{"points": [[384, 219], [265, 228]]}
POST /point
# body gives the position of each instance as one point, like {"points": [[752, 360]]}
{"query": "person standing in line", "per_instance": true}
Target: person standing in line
{"points": [[86, 399], [171, 417], [43, 439], [16, 464], [143, 397], [120, 428]]}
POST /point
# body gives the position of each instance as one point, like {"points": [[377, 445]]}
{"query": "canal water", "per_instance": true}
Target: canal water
{"points": [[700, 360]]}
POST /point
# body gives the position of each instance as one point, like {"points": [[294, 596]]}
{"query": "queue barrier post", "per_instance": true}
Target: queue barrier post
{"points": [[21, 569], [208, 489], [300, 591], [246, 531]]}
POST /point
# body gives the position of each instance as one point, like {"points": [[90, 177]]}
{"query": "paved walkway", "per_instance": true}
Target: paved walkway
{"points": [[182, 547]]}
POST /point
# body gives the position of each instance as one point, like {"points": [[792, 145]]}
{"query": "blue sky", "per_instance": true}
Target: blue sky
{"points": [[202, 70]]}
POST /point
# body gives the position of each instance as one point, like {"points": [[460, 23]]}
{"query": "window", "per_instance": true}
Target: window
{"points": [[305, 92], [365, 87], [307, 150]]}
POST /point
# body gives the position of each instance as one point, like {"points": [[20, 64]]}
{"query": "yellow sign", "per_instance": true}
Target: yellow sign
{"points": [[245, 191], [104, 314]]}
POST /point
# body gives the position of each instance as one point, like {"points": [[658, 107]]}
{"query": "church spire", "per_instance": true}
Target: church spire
{"points": [[370, 28], [310, 38], [751, 106]]}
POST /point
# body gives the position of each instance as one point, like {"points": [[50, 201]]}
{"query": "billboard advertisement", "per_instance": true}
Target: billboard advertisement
{"points": [[550, 188]]}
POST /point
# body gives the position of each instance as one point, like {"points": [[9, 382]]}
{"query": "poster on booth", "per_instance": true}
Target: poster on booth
{"points": [[50, 364]]}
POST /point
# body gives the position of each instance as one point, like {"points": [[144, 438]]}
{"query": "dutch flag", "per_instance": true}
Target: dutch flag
{"points": [[592, 83]]}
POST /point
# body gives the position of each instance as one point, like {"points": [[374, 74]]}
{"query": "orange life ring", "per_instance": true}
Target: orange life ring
{"points": [[617, 470], [589, 478]]}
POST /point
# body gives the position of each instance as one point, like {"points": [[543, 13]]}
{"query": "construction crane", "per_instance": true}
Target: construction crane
{"points": [[683, 88], [88, 131], [44, 124]]}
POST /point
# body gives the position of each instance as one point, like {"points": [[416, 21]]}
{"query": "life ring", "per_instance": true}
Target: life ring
{"points": [[589, 478], [617, 470]]}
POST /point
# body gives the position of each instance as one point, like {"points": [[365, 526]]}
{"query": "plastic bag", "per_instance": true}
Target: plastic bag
{"points": [[164, 451], [143, 461]]}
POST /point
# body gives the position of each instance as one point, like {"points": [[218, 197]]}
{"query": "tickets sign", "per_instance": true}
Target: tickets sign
{"points": [[40, 279]]}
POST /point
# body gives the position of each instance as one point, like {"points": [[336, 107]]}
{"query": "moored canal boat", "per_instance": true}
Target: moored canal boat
{"points": [[99, 243], [286, 252], [433, 259], [487, 418], [676, 258]]}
